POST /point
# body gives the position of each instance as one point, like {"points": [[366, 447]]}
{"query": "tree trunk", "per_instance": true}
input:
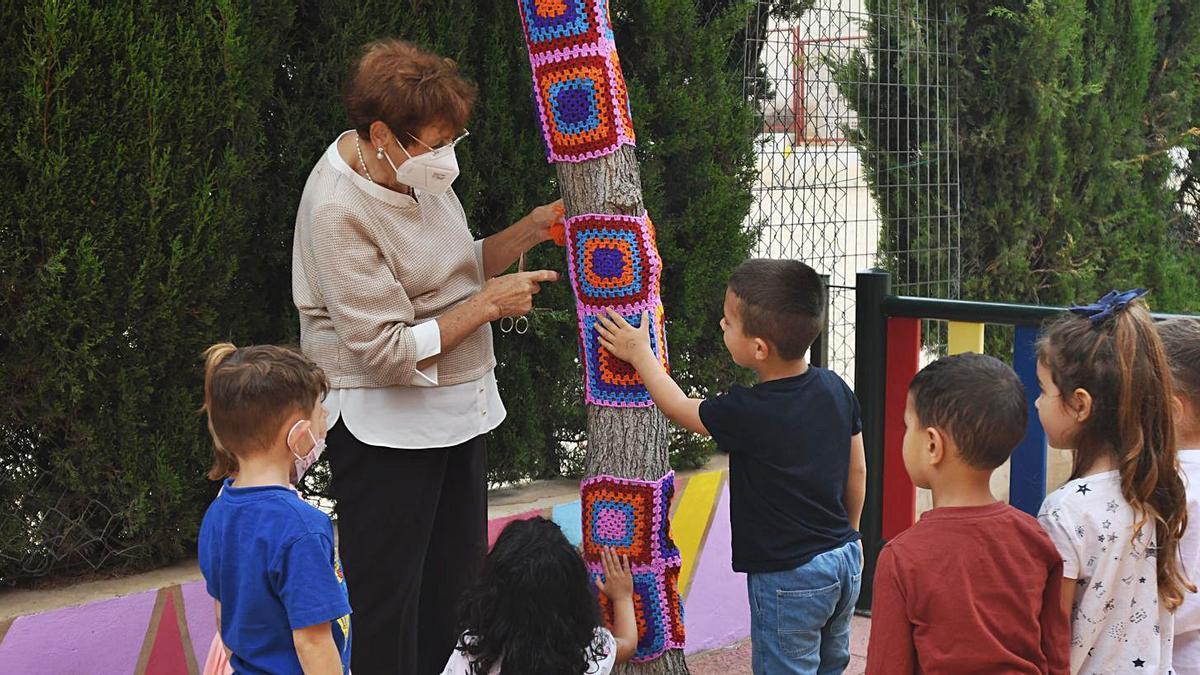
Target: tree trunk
{"points": [[625, 442]]}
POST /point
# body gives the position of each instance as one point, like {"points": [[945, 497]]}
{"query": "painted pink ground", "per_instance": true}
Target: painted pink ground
{"points": [[735, 659], [716, 611], [496, 525], [99, 638]]}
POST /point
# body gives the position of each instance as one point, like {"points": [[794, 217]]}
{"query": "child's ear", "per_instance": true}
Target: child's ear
{"points": [[762, 349], [1179, 407], [1080, 404], [935, 445], [295, 432]]}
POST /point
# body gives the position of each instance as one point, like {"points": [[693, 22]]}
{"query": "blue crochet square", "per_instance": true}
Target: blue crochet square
{"points": [[575, 106], [609, 380], [551, 20]]}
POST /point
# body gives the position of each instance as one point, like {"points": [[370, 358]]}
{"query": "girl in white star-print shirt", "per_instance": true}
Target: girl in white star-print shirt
{"points": [[1106, 394]]}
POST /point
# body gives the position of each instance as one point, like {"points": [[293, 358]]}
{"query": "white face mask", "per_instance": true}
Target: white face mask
{"points": [[432, 172], [301, 463]]}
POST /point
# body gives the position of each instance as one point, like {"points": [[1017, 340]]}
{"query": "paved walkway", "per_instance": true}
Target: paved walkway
{"points": [[735, 660]]}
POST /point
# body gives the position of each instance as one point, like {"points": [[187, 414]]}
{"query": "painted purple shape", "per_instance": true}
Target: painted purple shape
{"points": [[200, 612], [716, 610], [99, 638]]}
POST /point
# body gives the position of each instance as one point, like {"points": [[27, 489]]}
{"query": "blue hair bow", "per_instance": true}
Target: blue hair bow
{"points": [[1105, 308]]}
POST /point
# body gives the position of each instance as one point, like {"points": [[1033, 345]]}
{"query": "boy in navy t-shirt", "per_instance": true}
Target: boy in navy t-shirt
{"points": [[268, 556], [797, 468]]}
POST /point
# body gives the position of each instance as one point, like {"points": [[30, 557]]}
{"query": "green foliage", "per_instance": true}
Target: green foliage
{"points": [[1066, 111], [155, 163]]}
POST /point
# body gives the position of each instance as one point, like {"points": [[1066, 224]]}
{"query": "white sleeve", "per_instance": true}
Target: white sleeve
{"points": [[458, 663], [605, 664], [1062, 530], [479, 260], [428, 337]]}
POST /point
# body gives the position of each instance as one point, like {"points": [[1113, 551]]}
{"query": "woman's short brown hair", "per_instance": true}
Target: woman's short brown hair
{"points": [[408, 88]]}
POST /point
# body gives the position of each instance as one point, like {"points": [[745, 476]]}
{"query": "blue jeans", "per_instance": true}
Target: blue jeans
{"points": [[800, 618]]}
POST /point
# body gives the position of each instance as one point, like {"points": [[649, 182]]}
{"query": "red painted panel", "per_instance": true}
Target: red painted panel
{"points": [[903, 359], [167, 655]]}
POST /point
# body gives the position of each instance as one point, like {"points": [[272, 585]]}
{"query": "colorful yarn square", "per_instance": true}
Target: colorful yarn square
{"points": [[556, 25], [609, 381], [578, 86], [632, 516], [612, 260], [607, 502], [582, 110]]}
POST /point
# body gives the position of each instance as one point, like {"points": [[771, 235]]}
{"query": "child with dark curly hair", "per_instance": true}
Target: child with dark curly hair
{"points": [[534, 610]]}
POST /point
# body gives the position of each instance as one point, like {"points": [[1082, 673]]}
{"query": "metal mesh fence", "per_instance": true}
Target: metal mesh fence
{"points": [[814, 198]]}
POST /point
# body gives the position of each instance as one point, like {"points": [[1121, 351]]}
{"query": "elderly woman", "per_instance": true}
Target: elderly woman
{"points": [[396, 300]]}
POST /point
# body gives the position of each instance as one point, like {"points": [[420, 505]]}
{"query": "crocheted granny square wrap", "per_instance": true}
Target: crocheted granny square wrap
{"points": [[578, 86], [613, 262], [632, 516]]}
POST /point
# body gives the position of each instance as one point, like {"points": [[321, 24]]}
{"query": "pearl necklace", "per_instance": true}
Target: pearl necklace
{"points": [[362, 162]]}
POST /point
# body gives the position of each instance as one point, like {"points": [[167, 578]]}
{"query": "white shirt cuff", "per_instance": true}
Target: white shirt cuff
{"points": [[428, 337], [479, 260]]}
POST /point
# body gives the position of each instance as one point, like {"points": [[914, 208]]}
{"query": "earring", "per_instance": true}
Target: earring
{"points": [[378, 153]]}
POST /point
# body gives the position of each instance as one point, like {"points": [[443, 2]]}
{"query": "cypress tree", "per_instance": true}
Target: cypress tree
{"points": [[1065, 112], [134, 142]]}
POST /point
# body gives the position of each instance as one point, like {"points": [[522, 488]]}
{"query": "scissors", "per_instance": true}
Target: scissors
{"points": [[518, 324]]}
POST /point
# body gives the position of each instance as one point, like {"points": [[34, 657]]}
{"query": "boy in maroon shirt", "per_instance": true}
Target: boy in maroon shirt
{"points": [[973, 587]]}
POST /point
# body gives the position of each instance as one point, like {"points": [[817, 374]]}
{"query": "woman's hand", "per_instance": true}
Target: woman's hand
{"points": [[543, 220], [512, 294]]}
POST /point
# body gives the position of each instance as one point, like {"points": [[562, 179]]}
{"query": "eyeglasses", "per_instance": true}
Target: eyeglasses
{"points": [[441, 146]]}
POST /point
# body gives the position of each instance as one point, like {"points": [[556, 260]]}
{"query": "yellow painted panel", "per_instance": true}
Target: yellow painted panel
{"points": [[689, 525], [965, 337]]}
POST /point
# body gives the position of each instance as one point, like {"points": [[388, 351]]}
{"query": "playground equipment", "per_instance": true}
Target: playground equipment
{"points": [[887, 356]]}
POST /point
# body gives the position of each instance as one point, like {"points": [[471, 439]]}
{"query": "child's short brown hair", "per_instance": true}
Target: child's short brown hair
{"points": [[978, 401], [1181, 341], [780, 301], [249, 393], [407, 88]]}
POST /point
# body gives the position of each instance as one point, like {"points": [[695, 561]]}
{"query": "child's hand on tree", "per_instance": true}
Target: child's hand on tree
{"points": [[618, 579], [623, 340], [618, 586]]}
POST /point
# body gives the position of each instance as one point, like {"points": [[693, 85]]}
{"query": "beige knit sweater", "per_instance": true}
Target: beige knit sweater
{"points": [[368, 263]]}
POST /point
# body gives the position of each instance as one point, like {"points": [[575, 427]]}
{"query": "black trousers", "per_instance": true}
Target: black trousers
{"points": [[412, 531]]}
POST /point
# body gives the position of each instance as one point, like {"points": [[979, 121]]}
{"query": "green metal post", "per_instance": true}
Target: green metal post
{"points": [[818, 353], [870, 367]]}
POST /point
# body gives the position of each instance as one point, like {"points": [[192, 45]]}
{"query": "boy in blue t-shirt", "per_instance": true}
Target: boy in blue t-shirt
{"points": [[268, 557], [797, 468]]}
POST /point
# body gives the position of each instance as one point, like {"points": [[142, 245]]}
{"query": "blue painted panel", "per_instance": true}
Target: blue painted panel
{"points": [[569, 517], [1027, 482]]}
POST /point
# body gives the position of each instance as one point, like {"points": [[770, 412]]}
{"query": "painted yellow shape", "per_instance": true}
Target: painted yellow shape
{"points": [[787, 151], [965, 337], [689, 525]]}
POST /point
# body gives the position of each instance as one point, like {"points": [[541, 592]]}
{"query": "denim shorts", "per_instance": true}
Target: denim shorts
{"points": [[800, 618]]}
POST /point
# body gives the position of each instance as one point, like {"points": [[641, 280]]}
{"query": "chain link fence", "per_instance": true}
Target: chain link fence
{"points": [[814, 199]]}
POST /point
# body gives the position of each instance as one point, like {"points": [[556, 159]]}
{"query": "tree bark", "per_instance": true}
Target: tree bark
{"points": [[625, 442]]}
